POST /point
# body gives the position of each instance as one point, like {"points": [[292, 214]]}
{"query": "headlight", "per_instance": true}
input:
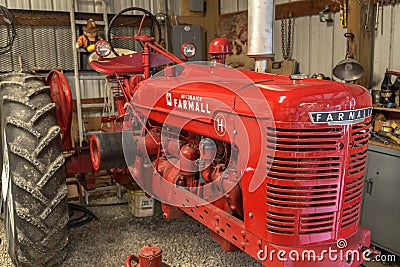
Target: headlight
{"points": [[103, 48], [188, 50]]}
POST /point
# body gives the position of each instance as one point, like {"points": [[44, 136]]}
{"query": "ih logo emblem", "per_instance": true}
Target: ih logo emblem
{"points": [[220, 124], [169, 99]]}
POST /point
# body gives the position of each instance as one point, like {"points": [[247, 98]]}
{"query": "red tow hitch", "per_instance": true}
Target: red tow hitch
{"points": [[149, 256]]}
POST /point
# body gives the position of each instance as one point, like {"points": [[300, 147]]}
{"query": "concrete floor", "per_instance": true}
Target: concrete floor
{"points": [[109, 240]]}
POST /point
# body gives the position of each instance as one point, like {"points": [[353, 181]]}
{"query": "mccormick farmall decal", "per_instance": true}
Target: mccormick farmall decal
{"points": [[188, 102]]}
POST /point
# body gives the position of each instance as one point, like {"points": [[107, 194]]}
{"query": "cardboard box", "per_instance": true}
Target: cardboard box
{"points": [[139, 204], [90, 124], [73, 190], [378, 124]]}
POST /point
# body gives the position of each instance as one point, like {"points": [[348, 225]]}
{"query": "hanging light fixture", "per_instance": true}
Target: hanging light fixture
{"points": [[348, 69]]}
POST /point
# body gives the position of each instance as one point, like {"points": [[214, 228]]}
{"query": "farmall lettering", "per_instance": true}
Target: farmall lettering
{"points": [[344, 117], [188, 102]]}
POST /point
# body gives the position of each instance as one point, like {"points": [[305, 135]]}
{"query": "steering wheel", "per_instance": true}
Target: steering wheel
{"points": [[154, 23]]}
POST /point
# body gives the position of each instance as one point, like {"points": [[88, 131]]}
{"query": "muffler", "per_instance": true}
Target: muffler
{"points": [[107, 150]]}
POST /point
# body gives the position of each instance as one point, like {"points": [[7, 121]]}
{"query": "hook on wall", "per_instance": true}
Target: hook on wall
{"points": [[323, 18]]}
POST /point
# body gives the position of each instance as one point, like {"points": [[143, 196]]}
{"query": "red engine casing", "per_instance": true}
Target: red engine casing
{"points": [[310, 163]]}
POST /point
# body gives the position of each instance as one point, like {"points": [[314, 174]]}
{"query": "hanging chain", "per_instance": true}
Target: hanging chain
{"points": [[286, 38], [283, 26], [289, 39]]}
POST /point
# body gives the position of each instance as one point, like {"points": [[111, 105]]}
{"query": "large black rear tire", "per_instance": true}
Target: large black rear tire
{"points": [[33, 174]]}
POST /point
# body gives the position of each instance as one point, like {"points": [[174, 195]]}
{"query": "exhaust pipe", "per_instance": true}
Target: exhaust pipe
{"points": [[107, 150], [261, 22]]}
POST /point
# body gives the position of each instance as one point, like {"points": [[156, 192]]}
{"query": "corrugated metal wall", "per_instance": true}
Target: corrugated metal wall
{"points": [[229, 6], [318, 47], [49, 46]]}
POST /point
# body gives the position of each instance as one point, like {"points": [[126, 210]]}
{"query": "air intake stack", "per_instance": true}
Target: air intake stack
{"points": [[261, 15]]}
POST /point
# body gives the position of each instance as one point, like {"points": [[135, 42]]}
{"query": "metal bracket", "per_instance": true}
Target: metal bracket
{"points": [[322, 17]]}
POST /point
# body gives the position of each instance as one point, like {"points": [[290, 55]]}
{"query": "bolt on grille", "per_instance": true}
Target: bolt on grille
{"points": [[280, 223], [350, 215], [355, 175], [357, 162], [303, 140], [303, 177], [302, 196], [303, 168], [283, 190], [317, 223]]}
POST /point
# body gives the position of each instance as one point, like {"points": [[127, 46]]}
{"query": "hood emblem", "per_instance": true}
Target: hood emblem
{"points": [[343, 117]]}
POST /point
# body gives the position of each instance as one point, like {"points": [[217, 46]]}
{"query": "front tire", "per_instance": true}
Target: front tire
{"points": [[33, 174]]}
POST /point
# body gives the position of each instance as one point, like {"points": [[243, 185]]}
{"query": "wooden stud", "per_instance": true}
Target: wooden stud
{"points": [[212, 20], [304, 8], [299, 8], [360, 23], [51, 18]]}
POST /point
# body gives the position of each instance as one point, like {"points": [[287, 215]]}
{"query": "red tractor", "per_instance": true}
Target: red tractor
{"points": [[272, 165]]}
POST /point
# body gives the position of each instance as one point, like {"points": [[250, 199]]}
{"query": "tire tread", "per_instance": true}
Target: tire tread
{"points": [[39, 188], [27, 126]]}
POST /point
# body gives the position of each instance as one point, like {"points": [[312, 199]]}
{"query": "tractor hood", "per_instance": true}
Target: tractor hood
{"points": [[198, 92]]}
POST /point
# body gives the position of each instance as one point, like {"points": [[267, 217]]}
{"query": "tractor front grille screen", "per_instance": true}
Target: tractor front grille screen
{"points": [[308, 180], [355, 177], [316, 223], [281, 223]]}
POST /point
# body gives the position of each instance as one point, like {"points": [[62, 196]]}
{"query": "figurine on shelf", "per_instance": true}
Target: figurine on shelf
{"points": [[90, 36]]}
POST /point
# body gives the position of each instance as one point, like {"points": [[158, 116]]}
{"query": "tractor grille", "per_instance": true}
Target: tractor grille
{"points": [[355, 176], [350, 215], [322, 168], [287, 172], [303, 140], [302, 196], [307, 181], [303, 175], [280, 223], [317, 223]]}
